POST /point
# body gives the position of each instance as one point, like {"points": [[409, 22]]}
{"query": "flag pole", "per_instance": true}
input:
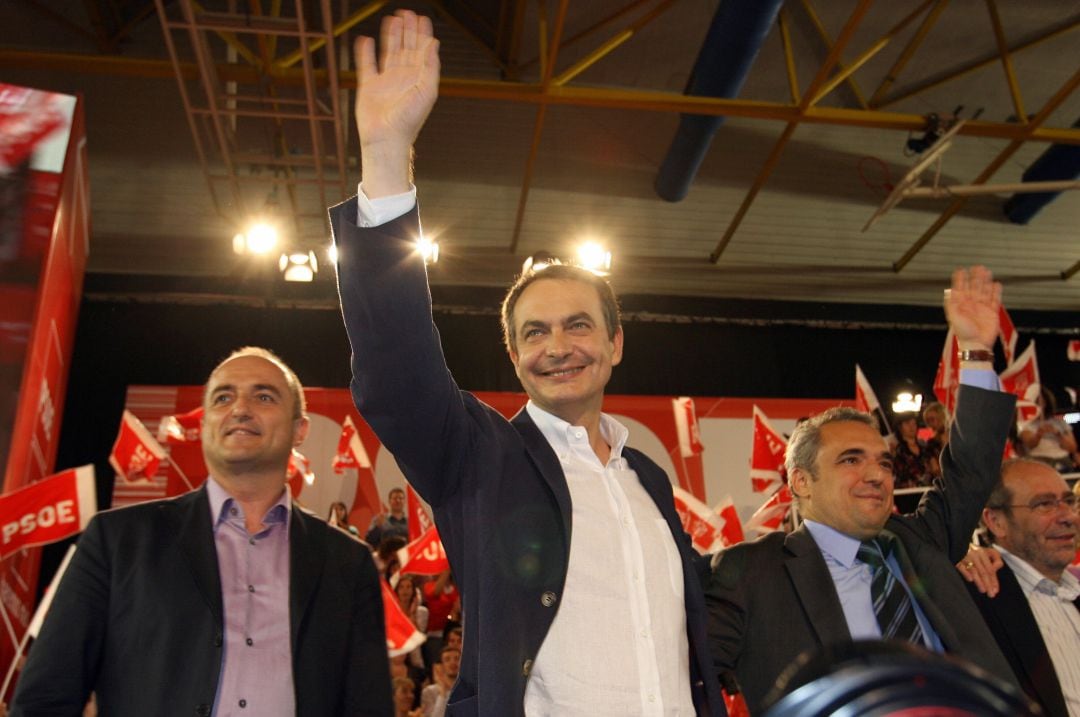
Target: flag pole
{"points": [[14, 663]]}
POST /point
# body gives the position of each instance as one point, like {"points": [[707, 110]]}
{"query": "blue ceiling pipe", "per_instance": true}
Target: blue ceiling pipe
{"points": [[1058, 163], [736, 34]]}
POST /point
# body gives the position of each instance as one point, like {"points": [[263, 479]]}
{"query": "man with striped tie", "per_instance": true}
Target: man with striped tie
{"points": [[854, 570]]}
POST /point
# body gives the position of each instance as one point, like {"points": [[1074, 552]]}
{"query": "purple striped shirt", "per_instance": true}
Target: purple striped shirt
{"points": [[256, 672]]}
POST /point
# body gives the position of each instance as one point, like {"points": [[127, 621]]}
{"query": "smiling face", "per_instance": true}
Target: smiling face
{"points": [[851, 487], [562, 352], [249, 420], [1047, 542]]}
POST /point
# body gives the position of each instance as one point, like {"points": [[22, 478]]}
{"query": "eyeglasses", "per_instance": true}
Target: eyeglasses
{"points": [[1045, 506]]}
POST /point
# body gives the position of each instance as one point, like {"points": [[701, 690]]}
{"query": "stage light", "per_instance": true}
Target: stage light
{"points": [[261, 238], [594, 257], [907, 402], [428, 249], [298, 266], [538, 262]]}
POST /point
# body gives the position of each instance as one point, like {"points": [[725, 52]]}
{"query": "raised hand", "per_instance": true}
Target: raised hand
{"points": [[972, 307], [393, 98]]}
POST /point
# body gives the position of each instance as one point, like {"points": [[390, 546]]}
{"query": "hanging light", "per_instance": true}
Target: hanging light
{"points": [[594, 257], [907, 402], [298, 266]]}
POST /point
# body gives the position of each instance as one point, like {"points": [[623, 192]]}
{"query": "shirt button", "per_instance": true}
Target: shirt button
{"points": [[243, 703], [652, 698], [232, 511], [251, 540], [249, 642], [547, 599], [251, 588]]}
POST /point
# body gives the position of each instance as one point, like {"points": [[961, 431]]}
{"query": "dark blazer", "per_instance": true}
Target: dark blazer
{"points": [[1013, 626], [497, 490], [772, 599], [138, 620]]}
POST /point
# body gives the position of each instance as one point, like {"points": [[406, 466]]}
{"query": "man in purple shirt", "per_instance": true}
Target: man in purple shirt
{"points": [[228, 600]]}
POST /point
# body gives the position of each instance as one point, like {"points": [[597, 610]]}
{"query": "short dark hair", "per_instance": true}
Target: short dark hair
{"points": [[805, 441], [447, 649], [609, 303], [396, 490], [295, 389]]}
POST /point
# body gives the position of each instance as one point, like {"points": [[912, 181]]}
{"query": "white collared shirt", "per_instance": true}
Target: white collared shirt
{"points": [[618, 643], [1058, 620]]}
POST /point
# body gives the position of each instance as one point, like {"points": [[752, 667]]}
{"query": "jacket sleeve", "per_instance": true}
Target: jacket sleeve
{"points": [[367, 679], [970, 464], [63, 662], [400, 382]]}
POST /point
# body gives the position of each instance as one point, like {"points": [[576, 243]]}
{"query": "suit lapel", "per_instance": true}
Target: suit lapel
{"points": [[813, 583], [547, 463], [306, 554], [191, 521], [1018, 622]]}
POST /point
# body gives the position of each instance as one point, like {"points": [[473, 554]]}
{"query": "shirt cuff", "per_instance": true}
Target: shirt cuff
{"points": [[375, 212], [980, 378]]}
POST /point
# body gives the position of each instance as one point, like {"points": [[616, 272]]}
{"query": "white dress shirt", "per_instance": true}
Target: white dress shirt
{"points": [[618, 644], [1058, 620]]}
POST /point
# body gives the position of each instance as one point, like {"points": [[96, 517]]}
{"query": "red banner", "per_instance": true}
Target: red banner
{"points": [[770, 516], [767, 459], [425, 555], [731, 530], [135, 454], [419, 522], [402, 637], [698, 521], [181, 428], [49, 510]]}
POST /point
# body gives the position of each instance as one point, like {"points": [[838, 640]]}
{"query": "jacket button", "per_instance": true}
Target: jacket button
{"points": [[526, 668], [547, 599], [202, 710], [217, 640]]}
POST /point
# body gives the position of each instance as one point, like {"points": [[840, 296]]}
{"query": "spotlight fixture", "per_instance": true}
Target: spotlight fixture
{"points": [[298, 266], [907, 402], [594, 257], [539, 261], [428, 249]]}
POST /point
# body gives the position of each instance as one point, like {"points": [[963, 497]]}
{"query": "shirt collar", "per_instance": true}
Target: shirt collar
{"points": [[842, 548], [557, 431], [221, 503], [1031, 580]]}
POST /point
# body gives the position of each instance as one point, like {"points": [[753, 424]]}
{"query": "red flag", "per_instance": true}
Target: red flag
{"points": [[135, 454], [350, 451], [298, 473], [867, 402], [948, 373], [686, 426], [419, 522], [181, 428], [1007, 334], [770, 516], [731, 531], [425, 555], [351, 455], [47, 510], [767, 459], [697, 521], [402, 637], [1021, 377]]}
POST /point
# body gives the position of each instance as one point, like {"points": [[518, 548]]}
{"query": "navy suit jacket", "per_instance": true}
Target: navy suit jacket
{"points": [[772, 599], [138, 620], [1013, 625], [497, 490]]}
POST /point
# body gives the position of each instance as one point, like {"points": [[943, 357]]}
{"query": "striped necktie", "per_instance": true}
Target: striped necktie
{"points": [[892, 606]]}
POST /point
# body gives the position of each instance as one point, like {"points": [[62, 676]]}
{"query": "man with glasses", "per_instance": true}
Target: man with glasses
{"points": [[1035, 616]]}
